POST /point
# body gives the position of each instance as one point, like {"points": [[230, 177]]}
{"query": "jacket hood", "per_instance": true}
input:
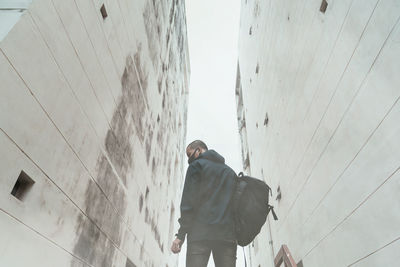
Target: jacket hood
{"points": [[212, 155]]}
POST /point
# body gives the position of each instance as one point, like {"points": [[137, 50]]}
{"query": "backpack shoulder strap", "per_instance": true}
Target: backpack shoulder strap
{"points": [[271, 208]]}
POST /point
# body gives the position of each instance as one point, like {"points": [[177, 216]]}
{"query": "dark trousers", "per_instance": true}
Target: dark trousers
{"points": [[198, 253]]}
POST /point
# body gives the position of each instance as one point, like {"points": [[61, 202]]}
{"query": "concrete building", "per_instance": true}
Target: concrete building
{"points": [[93, 100], [318, 107]]}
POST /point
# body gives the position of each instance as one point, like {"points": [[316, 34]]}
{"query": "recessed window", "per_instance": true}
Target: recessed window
{"points": [[323, 7], [103, 11], [129, 263], [22, 186]]}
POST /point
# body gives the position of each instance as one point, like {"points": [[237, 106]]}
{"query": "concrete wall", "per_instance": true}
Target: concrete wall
{"points": [[93, 110], [320, 104]]}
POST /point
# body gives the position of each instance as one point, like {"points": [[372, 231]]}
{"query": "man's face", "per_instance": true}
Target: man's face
{"points": [[190, 151], [193, 153]]}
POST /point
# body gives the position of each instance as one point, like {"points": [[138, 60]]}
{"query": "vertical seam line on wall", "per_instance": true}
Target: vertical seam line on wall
{"points": [[362, 147], [332, 51], [352, 212], [375, 251], [337, 86], [295, 79], [326, 109], [269, 139], [344, 115], [300, 62], [365, 78], [282, 110], [303, 157], [319, 82]]}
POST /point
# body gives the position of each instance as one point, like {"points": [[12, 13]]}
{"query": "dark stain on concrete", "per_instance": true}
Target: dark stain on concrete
{"points": [[133, 100], [163, 100], [181, 30], [256, 10], [141, 253], [90, 237], [102, 227], [257, 68], [140, 203], [266, 119], [93, 244], [153, 166], [171, 60], [171, 13], [159, 85], [246, 163], [129, 114], [141, 69], [152, 20], [176, 161], [150, 220], [119, 151], [171, 219], [109, 182], [149, 141]]}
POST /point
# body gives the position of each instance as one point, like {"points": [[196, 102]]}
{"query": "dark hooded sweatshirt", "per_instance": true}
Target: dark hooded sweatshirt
{"points": [[206, 210]]}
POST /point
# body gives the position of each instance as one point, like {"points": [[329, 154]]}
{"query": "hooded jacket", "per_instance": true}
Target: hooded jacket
{"points": [[206, 210]]}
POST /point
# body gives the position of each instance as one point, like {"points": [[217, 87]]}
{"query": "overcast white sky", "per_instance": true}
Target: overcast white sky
{"points": [[213, 29], [213, 48]]}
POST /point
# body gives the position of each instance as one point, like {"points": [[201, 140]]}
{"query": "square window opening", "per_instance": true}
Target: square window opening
{"points": [[103, 12], [323, 7], [22, 186]]}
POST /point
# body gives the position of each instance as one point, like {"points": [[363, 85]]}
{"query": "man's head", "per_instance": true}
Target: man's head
{"points": [[194, 149]]}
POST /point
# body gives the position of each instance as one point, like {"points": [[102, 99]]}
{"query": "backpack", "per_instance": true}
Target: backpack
{"points": [[251, 208]]}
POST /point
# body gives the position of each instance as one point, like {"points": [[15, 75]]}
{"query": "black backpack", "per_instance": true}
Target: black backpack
{"points": [[251, 208]]}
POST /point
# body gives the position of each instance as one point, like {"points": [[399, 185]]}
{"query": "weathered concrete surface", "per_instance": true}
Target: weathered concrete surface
{"points": [[318, 109], [94, 111]]}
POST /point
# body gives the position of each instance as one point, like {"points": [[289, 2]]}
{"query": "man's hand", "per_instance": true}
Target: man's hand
{"points": [[176, 246]]}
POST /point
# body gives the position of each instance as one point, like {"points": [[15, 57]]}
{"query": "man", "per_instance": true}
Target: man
{"points": [[206, 209]]}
